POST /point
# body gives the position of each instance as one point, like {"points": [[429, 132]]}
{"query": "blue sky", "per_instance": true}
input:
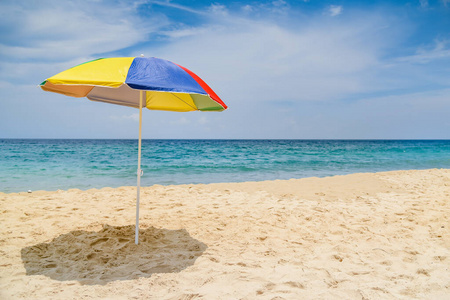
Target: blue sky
{"points": [[286, 69]]}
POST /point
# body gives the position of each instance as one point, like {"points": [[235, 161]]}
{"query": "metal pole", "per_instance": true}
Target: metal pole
{"points": [[139, 171]]}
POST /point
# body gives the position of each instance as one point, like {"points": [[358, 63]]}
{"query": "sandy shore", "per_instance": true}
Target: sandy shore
{"points": [[360, 236]]}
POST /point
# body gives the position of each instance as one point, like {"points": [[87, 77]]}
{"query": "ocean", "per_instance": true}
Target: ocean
{"points": [[52, 164]]}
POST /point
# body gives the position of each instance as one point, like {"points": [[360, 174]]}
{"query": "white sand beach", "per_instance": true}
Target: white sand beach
{"points": [[360, 236]]}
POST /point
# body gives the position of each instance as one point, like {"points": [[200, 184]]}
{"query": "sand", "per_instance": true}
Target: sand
{"points": [[360, 236]]}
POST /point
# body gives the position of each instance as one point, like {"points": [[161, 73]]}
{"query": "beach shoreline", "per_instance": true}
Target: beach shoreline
{"points": [[52, 165], [359, 236]]}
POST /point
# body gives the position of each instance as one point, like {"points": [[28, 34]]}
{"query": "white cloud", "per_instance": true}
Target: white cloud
{"points": [[267, 9], [134, 117], [247, 8], [203, 120], [425, 55], [424, 3], [184, 32], [218, 10], [59, 30], [260, 61], [335, 10], [178, 6], [34, 72]]}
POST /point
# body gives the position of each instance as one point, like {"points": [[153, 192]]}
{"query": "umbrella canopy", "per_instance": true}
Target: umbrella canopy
{"points": [[118, 80], [154, 83]]}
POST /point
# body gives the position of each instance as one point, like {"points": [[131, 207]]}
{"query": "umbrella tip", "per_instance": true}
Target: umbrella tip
{"points": [[142, 55]]}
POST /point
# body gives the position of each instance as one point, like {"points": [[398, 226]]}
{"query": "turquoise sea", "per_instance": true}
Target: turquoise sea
{"points": [[43, 164]]}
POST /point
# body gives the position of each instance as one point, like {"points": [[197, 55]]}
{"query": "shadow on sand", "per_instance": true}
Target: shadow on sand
{"points": [[111, 254]]}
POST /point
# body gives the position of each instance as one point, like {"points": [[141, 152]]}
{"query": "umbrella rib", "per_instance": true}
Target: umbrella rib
{"points": [[185, 102]]}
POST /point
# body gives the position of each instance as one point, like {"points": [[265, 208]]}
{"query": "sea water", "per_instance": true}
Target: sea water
{"points": [[41, 164]]}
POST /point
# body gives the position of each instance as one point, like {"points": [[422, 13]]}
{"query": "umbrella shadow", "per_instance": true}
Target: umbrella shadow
{"points": [[110, 254]]}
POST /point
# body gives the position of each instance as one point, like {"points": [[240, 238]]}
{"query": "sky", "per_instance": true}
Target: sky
{"points": [[286, 69]]}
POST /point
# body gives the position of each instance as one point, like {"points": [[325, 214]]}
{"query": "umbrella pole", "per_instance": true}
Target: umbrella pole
{"points": [[139, 172]]}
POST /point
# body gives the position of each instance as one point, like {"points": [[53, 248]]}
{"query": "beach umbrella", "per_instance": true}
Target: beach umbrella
{"points": [[139, 82]]}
